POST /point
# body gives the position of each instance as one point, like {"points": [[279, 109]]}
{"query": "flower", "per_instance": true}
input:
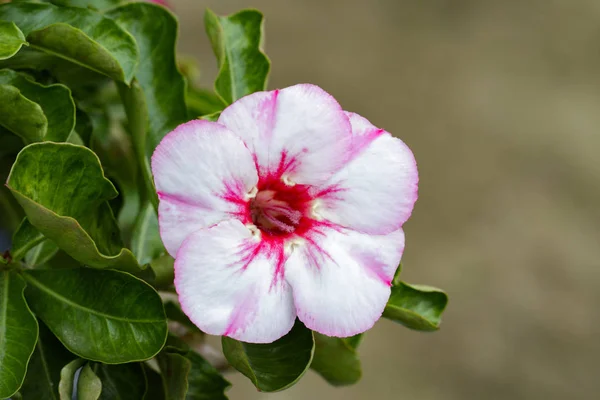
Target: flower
{"points": [[285, 207]]}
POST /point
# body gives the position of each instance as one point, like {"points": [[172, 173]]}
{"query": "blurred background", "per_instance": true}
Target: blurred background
{"points": [[500, 102]]}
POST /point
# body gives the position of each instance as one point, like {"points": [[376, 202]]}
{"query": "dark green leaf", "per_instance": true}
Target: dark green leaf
{"points": [[43, 372], [174, 313], [204, 381], [55, 101], [274, 366], [155, 389], [416, 306], [211, 117], [18, 333], [78, 35], [121, 382], [145, 242], [101, 315], [174, 369], [237, 42], [336, 361], [11, 39], [190, 377], [64, 193]]}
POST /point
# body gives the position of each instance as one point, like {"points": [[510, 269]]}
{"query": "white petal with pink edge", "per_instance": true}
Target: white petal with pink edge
{"points": [[341, 279], [202, 173], [376, 191], [230, 283], [299, 132]]}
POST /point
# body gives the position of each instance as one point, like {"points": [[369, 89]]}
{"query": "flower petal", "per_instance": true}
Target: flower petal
{"points": [[230, 283], [376, 191], [341, 279], [299, 132], [202, 173]]}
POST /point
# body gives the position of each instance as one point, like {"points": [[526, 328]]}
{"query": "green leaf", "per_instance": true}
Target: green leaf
{"points": [[274, 366], [25, 238], [64, 193], [396, 281], [354, 341], [336, 361], [155, 102], [203, 102], [190, 377], [11, 39], [204, 381], [20, 115], [79, 35], [155, 31], [121, 382], [146, 243], [94, 4], [89, 385], [18, 333], [102, 315], [155, 389], [67, 379], [41, 254], [174, 313], [55, 102], [237, 43], [43, 372], [211, 117], [416, 306]]}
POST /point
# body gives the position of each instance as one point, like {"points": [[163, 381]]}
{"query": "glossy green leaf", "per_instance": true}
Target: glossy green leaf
{"points": [[155, 31], [89, 386], [25, 238], [237, 43], [146, 243], [55, 101], [204, 381], [20, 115], [336, 360], [155, 102], [64, 193], [121, 382], [211, 117], [202, 102], [396, 281], [18, 333], [79, 35], [101, 315], [11, 39], [67, 379], [43, 372], [417, 307], [274, 366], [41, 254], [174, 369], [190, 377], [94, 4]]}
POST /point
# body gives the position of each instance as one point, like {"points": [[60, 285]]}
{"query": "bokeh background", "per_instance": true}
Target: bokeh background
{"points": [[500, 102]]}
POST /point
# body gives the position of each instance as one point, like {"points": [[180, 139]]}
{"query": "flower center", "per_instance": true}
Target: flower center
{"points": [[276, 212]]}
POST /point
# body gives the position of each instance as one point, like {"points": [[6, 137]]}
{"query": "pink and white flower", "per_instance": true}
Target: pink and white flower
{"points": [[286, 207]]}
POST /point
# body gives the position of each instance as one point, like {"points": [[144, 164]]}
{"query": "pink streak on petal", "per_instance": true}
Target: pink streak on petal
{"points": [[181, 200], [359, 143], [372, 264], [243, 313]]}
